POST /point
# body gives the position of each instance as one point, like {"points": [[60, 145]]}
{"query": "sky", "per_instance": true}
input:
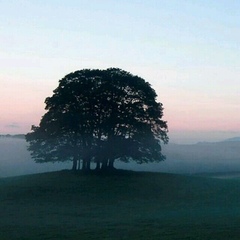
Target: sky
{"points": [[188, 50]]}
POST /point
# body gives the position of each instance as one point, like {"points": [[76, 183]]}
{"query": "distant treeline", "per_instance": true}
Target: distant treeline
{"points": [[22, 136]]}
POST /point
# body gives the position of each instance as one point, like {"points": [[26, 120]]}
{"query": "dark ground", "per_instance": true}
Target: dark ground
{"points": [[122, 205]]}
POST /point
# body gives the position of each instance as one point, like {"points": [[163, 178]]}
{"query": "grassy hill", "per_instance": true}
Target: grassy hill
{"points": [[123, 205]]}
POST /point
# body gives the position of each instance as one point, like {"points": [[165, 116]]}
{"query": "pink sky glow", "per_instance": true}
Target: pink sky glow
{"points": [[187, 50]]}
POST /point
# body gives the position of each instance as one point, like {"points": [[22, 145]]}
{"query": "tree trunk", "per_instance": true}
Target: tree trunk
{"points": [[88, 165], [74, 167], [79, 164], [104, 164], [84, 164], [111, 164]]}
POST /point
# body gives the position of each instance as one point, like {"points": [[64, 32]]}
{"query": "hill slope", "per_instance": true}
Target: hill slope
{"points": [[124, 205]]}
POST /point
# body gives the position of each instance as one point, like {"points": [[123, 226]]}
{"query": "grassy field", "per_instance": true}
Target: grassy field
{"points": [[123, 205]]}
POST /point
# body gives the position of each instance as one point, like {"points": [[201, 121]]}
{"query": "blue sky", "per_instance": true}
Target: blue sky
{"points": [[188, 50]]}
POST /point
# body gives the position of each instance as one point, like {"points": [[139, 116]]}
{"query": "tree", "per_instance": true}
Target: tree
{"points": [[100, 116]]}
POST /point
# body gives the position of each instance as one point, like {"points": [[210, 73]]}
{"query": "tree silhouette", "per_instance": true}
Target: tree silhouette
{"points": [[100, 116]]}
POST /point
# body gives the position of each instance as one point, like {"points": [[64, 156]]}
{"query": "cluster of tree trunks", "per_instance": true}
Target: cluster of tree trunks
{"points": [[100, 165]]}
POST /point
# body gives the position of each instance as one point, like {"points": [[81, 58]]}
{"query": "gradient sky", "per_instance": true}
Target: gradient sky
{"points": [[187, 49]]}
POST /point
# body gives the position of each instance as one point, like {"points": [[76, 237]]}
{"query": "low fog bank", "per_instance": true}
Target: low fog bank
{"points": [[196, 158], [185, 159], [15, 159]]}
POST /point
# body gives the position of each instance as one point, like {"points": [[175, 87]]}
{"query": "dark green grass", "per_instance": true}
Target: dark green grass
{"points": [[121, 205]]}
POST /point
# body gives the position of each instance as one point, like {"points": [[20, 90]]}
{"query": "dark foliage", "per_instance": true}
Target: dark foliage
{"points": [[100, 116]]}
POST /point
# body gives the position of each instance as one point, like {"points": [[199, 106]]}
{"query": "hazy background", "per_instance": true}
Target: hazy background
{"points": [[16, 160], [188, 50], [183, 159]]}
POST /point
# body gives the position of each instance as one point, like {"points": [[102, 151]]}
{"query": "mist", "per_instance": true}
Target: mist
{"points": [[197, 158], [16, 160], [217, 157]]}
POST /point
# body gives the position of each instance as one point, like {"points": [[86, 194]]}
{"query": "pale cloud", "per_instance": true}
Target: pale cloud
{"points": [[13, 125]]}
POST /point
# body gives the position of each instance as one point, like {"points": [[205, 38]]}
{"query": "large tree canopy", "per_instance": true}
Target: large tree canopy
{"points": [[100, 116]]}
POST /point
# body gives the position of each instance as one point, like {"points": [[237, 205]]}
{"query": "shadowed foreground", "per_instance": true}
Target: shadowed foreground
{"points": [[120, 205]]}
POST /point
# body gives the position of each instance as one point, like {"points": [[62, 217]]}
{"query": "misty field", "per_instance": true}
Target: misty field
{"points": [[184, 159], [15, 159], [120, 205]]}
